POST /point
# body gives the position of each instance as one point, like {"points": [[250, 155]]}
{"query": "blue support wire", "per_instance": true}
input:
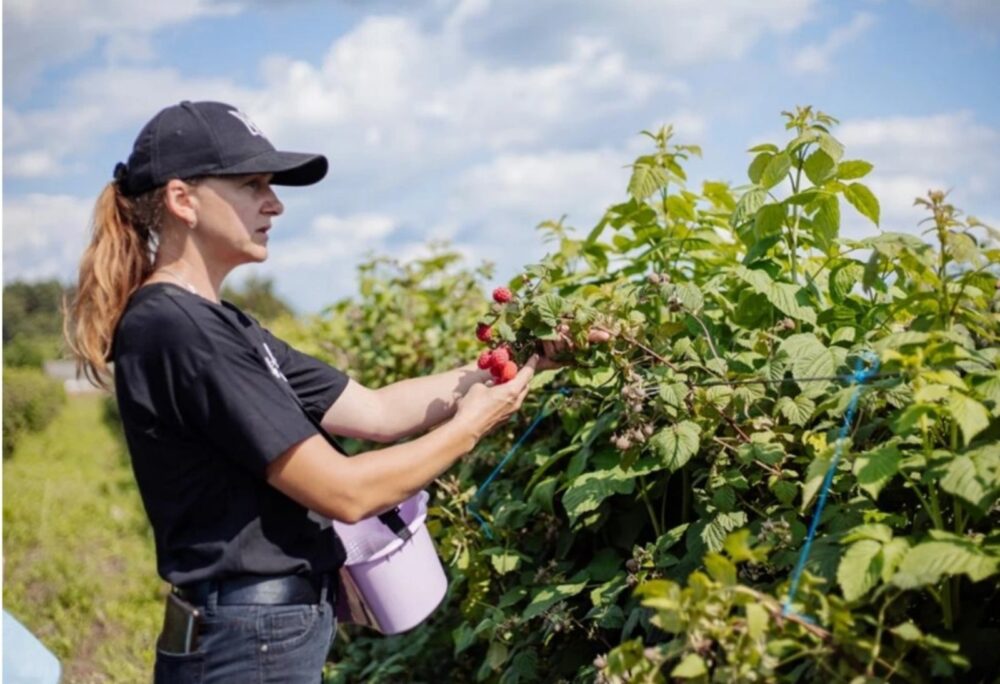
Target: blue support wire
{"points": [[865, 370], [474, 504]]}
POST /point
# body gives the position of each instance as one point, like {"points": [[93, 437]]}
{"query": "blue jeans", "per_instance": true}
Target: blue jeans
{"points": [[256, 644]]}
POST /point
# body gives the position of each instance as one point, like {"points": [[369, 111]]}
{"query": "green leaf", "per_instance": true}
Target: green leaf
{"points": [[874, 469], [819, 167], [796, 410], [790, 299], [927, 562], [764, 147], [809, 358], [504, 562], [590, 489], [646, 179], [814, 478], [826, 223], [496, 655], [962, 480], [713, 533], [749, 203], [550, 308], [860, 568], [757, 166], [721, 569], [971, 416], [675, 445], [756, 621], [769, 220], [843, 277], [776, 169], [831, 146], [863, 200], [692, 666], [853, 169], [679, 207], [549, 596]]}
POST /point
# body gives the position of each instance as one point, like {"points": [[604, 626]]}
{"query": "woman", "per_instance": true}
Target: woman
{"points": [[228, 463]]}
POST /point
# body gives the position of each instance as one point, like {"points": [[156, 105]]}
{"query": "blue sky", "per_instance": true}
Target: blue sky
{"points": [[471, 121]]}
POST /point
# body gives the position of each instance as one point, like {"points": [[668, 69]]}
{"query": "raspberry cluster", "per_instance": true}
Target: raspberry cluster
{"points": [[499, 359]]}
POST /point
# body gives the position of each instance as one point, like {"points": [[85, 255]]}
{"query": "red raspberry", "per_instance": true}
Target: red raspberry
{"points": [[502, 295], [485, 359], [508, 373], [499, 357], [484, 333]]}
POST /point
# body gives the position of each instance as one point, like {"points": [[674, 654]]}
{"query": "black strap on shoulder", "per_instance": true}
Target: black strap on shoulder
{"points": [[252, 333]]}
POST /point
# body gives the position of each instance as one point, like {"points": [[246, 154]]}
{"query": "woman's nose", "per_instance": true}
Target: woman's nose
{"points": [[272, 205]]}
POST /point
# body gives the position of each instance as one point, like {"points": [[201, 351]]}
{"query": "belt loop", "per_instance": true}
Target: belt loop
{"points": [[324, 588], [212, 600]]}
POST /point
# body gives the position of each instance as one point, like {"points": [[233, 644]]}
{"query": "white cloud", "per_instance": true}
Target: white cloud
{"points": [[44, 235], [816, 58], [40, 34], [912, 155], [333, 239]]}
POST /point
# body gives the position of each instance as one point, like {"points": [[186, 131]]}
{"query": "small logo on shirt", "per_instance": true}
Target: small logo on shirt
{"points": [[272, 363]]}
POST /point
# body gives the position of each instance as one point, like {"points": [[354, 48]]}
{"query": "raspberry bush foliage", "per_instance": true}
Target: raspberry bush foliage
{"points": [[647, 529]]}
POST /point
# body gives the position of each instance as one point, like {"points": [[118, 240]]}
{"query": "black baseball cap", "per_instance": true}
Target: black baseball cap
{"points": [[209, 139]]}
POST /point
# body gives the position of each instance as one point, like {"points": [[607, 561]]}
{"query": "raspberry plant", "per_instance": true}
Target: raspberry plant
{"points": [[647, 530]]}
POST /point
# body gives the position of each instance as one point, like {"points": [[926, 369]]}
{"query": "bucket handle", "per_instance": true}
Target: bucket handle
{"points": [[394, 522]]}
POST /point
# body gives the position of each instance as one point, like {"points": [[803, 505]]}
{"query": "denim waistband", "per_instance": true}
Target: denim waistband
{"points": [[267, 590]]}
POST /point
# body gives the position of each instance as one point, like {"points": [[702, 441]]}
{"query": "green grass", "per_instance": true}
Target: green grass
{"points": [[79, 562]]}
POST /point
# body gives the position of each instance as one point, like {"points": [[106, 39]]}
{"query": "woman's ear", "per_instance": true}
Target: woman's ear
{"points": [[181, 201]]}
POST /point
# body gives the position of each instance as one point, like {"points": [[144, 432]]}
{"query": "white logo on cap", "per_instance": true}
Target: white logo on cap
{"points": [[245, 120]]}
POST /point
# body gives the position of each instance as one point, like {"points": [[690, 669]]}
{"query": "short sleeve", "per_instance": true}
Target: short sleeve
{"points": [[316, 383], [240, 407]]}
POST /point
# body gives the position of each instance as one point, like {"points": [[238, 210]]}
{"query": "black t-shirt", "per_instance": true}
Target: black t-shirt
{"points": [[203, 417]]}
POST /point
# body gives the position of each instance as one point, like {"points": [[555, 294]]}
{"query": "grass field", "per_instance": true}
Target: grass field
{"points": [[79, 563]]}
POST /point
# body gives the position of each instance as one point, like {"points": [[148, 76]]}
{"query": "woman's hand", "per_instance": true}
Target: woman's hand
{"points": [[485, 407], [554, 348]]}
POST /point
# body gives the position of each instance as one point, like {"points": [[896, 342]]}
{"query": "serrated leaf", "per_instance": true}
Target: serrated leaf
{"points": [[843, 278], [646, 179], [678, 206], [819, 167], [550, 308], [971, 416], [496, 655], [860, 568], [826, 223], [790, 299], [769, 220], [962, 480], [892, 555], [853, 169], [809, 358], [690, 667], [713, 532], [863, 200], [549, 596], [815, 474], [757, 166], [831, 146], [590, 489], [928, 562], [749, 203], [796, 410], [776, 169], [504, 562], [875, 469], [675, 445], [785, 491]]}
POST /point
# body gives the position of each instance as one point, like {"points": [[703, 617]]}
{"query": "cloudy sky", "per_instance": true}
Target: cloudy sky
{"points": [[472, 121]]}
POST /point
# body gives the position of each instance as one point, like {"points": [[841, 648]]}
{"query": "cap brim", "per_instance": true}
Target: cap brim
{"points": [[289, 168]]}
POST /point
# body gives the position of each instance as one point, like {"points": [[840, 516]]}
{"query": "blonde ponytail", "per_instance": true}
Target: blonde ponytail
{"points": [[117, 261]]}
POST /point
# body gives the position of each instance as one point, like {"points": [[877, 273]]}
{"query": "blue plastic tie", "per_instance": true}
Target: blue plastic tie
{"points": [[862, 374], [473, 505]]}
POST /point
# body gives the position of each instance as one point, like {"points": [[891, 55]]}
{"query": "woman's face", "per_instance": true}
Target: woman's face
{"points": [[234, 216]]}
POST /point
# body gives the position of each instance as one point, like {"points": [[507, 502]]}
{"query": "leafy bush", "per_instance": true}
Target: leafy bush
{"points": [[649, 527], [30, 402]]}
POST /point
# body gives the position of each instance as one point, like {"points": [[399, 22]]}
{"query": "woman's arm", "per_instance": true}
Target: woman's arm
{"points": [[402, 409], [350, 489]]}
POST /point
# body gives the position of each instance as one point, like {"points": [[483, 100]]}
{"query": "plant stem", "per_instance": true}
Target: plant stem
{"points": [[649, 507]]}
